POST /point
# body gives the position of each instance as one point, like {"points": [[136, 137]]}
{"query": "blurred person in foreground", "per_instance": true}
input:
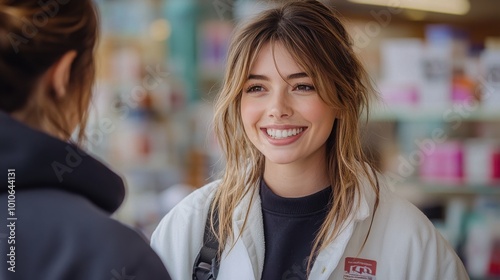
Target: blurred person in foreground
{"points": [[56, 199], [298, 198]]}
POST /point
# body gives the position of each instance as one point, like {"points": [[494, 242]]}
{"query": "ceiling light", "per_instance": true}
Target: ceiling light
{"points": [[454, 7]]}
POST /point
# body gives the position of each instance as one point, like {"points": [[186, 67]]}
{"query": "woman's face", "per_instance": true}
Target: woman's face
{"points": [[284, 116]]}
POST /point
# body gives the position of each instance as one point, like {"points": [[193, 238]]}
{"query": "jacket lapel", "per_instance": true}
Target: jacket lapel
{"points": [[246, 259], [236, 264], [329, 258], [253, 235]]}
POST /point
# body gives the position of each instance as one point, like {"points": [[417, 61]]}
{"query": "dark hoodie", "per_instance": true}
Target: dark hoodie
{"points": [[55, 214]]}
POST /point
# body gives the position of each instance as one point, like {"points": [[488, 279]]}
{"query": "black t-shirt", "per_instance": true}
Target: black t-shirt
{"points": [[290, 226]]}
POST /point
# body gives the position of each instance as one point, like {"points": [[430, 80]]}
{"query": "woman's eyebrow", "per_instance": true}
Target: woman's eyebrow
{"points": [[289, 77], [257, 77], [297, 76]]}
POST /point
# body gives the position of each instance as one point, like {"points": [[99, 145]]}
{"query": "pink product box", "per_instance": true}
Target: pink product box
{"points": [[444, 165], [400, 94]]}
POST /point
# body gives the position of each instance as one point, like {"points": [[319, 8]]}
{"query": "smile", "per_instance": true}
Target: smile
{"points": [[283, 133]]}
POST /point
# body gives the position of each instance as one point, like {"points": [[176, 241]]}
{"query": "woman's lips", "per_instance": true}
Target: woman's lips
{"points": [[283, 135]]}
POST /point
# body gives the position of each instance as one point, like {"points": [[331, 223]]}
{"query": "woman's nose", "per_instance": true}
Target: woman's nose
{"points": [[279, 106]]}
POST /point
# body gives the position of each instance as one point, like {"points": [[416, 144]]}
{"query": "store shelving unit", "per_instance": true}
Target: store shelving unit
{"points": [[393, 128], [425, 115], [455, 189]]}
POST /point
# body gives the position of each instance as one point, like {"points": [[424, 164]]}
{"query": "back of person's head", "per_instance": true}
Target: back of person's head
{"points": [[35, 37], [317, 40]]}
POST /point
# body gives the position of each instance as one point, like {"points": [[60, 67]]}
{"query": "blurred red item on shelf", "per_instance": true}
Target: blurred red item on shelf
{"points": [[494, 267], [495, 166], [144, 145]]}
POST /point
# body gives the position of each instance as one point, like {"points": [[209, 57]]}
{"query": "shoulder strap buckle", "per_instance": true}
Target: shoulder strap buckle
{"points": [[205, 271], [206, 265]]}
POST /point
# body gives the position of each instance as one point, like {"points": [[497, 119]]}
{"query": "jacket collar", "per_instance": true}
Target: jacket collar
{"points": [[42, 161]]}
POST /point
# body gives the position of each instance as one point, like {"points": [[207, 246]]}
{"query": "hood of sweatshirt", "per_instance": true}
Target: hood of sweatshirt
{"points": [[42, 161]]}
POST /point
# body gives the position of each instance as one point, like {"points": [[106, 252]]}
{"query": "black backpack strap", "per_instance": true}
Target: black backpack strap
{"points": [[206, 265]]}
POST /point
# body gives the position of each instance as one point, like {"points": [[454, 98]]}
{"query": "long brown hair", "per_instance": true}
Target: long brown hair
{"points": [[319, 43], [33, 36]]}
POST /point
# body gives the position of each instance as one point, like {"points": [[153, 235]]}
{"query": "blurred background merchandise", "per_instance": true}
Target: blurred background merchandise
{"points": [[435, 132]]}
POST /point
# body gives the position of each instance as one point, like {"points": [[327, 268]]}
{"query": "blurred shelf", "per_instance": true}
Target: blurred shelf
{"points": [[493, 191], [146, 168], [450, 114], [461, 189], [212, 74]]}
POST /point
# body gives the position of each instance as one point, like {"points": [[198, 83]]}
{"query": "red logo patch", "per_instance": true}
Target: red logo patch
{"points": [[360, 269]]}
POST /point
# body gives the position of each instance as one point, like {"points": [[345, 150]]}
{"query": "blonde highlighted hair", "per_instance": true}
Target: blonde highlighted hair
{"points": [[317, 40]]}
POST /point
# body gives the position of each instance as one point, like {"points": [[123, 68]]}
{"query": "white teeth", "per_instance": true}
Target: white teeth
{"points": [[280, 134]]}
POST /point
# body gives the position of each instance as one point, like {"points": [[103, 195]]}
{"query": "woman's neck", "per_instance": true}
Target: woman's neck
{"points": [[37, 122], [288, 180]]}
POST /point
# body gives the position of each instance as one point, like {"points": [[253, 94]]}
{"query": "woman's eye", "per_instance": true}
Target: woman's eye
{"points": [[304, 88], [254, 89]]}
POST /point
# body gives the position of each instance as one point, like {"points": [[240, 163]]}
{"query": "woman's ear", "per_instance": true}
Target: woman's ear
{"points": [[61, 73]]}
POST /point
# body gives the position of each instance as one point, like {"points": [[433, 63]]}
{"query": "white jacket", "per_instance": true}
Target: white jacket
{"points": [[402, 245]]}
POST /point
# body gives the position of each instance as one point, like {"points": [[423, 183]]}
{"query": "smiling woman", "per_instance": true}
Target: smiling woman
{"points": [[298, 197], [288, 122]]}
